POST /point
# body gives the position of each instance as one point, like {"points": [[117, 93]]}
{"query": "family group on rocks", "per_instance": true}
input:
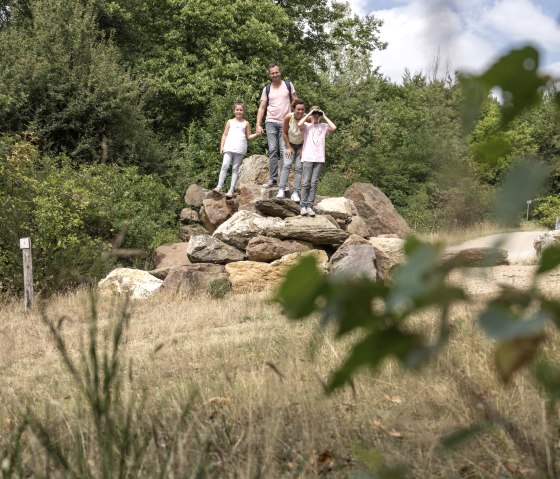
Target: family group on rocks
{"points": [[294, 137], [247, 242]]}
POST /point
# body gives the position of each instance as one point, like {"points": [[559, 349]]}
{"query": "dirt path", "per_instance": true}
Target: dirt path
{"points": [[520, 272], [519, 245]]}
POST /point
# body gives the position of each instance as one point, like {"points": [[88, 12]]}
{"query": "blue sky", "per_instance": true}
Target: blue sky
{"points": [[468, 34]]}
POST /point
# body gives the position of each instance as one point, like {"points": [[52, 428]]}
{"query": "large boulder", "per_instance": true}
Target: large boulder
{"points": [[186, 231], [216, 209], [251, 276], [389, 253], [244, 225], [253, 171], [354, 260], [279, 208], [127, 281], [195, 195], [546, 240], [207, 249], [377, 210], [338, 208], [195, 278], [265, 249], [319, 230]]}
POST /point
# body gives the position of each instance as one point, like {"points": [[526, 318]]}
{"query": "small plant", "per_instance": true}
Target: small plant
{"points": [[219, 288]]}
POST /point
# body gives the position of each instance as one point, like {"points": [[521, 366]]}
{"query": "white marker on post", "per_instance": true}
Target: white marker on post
{"points": [[25, 246]]}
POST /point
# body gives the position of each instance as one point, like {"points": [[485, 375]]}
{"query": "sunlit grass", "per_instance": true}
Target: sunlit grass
{"points": [[230, 388]]}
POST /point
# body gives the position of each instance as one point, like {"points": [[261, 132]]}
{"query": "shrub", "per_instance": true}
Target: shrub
{"points": [[73, 214]]}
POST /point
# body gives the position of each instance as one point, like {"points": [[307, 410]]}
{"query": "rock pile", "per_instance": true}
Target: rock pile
{"points": [[251, 240]]}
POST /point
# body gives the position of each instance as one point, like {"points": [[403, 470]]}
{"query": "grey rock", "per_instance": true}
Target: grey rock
{"points": [[546, 240], [186, 231], [354, 260], [188, 216], [357, 226], [277, 207], [376, 210], [476, 257], [338, 208], [195, 195], [244, 225], [253, 171], [389, 254], [207, 249], [193, 279], [136, 283], [265, 249], [170, 254], [318, 231], [216, 209]]}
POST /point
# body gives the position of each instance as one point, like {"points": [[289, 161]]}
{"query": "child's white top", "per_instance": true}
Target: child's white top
{"points": [[236, 139], [314, 135]]}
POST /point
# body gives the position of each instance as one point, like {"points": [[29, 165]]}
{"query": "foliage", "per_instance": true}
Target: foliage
{"points": [[547, 209], [407, 140], [72, 212], [62, 79], [378, 316]]}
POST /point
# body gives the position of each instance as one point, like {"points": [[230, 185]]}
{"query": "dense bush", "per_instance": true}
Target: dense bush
{"points": [[74, 213], [61, 78]]}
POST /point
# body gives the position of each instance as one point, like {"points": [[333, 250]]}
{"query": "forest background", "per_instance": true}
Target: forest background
{"points": [[110, 109]]}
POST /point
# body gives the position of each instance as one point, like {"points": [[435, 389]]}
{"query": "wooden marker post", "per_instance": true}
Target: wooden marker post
{"points": [[25, 246]]}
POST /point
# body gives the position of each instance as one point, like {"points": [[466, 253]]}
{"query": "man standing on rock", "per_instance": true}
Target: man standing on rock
{"points": [[276, 99]]}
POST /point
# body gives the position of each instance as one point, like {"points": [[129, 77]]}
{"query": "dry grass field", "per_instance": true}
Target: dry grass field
{"points": [[231, 388]]}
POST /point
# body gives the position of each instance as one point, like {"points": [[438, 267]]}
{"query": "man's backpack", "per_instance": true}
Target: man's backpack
{"points": [[288, 86]]}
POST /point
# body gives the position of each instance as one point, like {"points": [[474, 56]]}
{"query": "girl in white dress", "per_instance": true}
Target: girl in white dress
{"points": [[234, 146]]}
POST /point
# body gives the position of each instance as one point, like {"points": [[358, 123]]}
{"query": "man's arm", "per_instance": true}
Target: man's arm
{"points": [[260, 116], [293, 94]]}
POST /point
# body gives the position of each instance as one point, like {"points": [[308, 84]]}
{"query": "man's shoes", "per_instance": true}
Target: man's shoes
{"points": [[295, 197], [269, 184], [310, 211], [280, 193], [303, 211]]}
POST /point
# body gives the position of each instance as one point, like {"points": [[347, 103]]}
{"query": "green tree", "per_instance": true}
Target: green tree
{"points": [[62, 79], [74, 214]]}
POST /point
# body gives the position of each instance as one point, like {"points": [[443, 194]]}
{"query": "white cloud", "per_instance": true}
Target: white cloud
{"points": [[468, 35], [553, 69], [522, 20]]}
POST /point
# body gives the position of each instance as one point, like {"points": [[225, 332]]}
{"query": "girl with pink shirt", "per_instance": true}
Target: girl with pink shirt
{"points": [[313, 155]]}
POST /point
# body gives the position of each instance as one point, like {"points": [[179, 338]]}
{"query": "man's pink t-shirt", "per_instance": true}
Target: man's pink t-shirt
{"points": [[279, 102], [314, 136]]}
